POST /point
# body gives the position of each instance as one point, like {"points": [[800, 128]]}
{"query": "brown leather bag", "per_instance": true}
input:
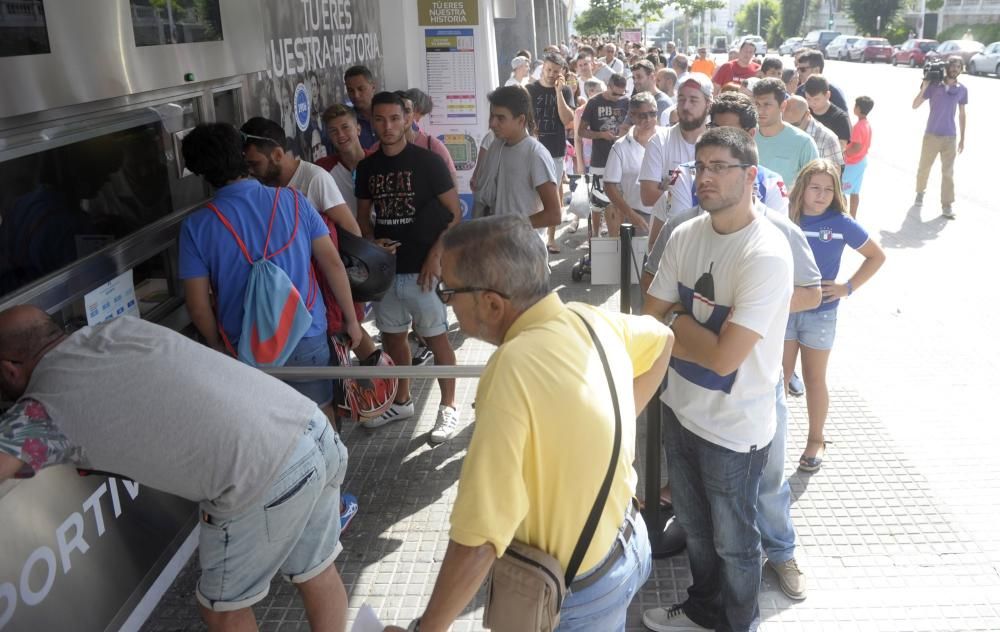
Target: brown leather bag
{"points": [[526, 587]]}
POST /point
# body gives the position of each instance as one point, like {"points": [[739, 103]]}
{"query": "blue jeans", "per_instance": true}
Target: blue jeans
{"points": [[602, 605], [715, 496], [774, 502]]}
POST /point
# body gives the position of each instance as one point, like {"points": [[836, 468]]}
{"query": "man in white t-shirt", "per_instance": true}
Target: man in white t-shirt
{"points": [[621, 173], [724, 285], [672, 146], [274, 165]]}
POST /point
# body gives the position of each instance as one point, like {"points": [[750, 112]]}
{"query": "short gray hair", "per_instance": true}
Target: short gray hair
{"points": [[503, 253]]}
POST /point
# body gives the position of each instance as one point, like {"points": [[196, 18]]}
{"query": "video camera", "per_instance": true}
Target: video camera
{"points": [[934, 71]]}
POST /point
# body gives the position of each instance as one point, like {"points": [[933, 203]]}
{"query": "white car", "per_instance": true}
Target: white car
{"points": [[790, 45], [758, 42], [837, 49], [987, 61]]}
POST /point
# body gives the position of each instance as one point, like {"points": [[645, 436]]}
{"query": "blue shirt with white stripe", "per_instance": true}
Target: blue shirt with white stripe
{"points": [[827, 234]]}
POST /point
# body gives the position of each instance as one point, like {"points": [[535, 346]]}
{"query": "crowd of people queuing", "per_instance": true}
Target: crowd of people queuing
{"points": [[746, 179]]}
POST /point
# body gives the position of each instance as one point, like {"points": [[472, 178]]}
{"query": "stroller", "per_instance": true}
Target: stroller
{"points": [[597, 201]]}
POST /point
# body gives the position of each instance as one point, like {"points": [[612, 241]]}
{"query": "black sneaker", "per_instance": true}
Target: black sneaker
{"points": [[421, 356]]}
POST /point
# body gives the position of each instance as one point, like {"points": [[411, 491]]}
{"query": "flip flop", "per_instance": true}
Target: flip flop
{"points": [[553, 249]]}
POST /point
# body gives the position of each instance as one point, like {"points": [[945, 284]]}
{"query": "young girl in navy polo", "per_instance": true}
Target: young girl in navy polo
{"points": [[817, 205]]}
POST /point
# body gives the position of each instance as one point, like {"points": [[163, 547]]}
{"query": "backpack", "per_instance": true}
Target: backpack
{"points": [[275, 318]]}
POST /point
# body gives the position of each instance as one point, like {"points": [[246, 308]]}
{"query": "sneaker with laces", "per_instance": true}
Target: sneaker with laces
{"points": [[947, 211], [795, 385], [446, 425], [790, 578], [397, 412], [670, 619], [421, 356], [348, 509]]}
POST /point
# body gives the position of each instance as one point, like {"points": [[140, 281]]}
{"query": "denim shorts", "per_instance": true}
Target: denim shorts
{"points": [[293, 528], [312, 351], [406, 302], [853, 176], [813, 329]]}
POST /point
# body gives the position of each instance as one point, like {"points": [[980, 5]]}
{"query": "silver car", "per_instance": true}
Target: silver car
{"points": [[837, 49], [987, 61], [790, 45]]}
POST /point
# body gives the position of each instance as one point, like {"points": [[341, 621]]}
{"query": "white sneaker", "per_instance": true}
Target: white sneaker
{"points": [[446, 425], [397, 412], [670, 619]]}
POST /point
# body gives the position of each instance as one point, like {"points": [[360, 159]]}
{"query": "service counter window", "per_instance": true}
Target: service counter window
{"points": [[227, 107], [63, 203]]}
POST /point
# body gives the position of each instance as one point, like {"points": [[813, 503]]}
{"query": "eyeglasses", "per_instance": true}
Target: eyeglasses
{"points": [[445, 293], [642, 115], [716, 168], [802, 69], [248, 137]]}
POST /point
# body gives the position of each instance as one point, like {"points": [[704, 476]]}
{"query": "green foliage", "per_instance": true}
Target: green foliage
{"points": [[985, 33], [604, 17], [934, 5], [865, 13], [650, 10], [775, 32], [696, 8], [746, 18], [791, 17], [897, 32]]}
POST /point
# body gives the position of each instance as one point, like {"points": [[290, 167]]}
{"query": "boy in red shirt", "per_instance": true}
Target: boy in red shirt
{"points": [[856, 153]]}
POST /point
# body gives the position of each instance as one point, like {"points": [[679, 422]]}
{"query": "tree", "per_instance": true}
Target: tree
{"points": [[695, 9], [866, 13], [746, 18], [791, 17], [603, 17], [649, 11]]}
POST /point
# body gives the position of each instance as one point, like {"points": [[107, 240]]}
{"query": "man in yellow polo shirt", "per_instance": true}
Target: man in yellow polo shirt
{"points": [[544, 428]]}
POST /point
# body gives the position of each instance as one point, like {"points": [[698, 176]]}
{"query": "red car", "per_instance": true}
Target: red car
{"points": [[870, 49], [913, 51]]}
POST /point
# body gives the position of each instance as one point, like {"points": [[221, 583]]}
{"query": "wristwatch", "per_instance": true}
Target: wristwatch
{"points": [[672, 316]]}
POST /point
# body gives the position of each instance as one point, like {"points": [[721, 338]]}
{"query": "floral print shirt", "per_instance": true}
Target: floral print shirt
{"points": [[27, 433]]}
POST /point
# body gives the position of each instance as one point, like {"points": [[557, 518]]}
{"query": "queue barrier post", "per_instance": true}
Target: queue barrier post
{"points": [[625, 269]]}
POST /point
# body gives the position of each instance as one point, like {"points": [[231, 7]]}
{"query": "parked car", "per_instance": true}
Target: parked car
{"points": [[758, 42], [913, 51], [819, 39], [790, 45], [837, 49], [986, 61], [870, 49], [962, 48]]}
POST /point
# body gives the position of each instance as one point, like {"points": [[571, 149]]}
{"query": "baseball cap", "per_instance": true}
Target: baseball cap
{"points": [[699, 79], [517, 62]]}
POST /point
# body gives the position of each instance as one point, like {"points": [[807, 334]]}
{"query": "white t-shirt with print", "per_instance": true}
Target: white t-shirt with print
{"points": [[664, 152], [749, 273]]}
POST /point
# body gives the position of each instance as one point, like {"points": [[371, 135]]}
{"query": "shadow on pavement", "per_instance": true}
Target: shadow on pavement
{"points": [[914, 231]]}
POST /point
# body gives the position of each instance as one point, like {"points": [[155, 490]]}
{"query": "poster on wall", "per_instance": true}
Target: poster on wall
{"points": [[310, 45], [451, 75]]}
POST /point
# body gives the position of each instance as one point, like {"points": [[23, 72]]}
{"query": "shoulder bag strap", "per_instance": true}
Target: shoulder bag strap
{"points": [[602, 496]]}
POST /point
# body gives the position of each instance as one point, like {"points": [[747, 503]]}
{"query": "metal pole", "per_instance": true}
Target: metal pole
{"points": [[625, 271], [759, 3], [651, 514], [923, 16]]}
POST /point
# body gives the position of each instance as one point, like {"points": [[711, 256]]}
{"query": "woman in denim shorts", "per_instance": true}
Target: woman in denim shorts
{"points": [[817, 205]]}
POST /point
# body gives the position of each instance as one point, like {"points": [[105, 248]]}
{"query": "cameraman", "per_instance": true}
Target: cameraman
{"points": [[939, 137]]}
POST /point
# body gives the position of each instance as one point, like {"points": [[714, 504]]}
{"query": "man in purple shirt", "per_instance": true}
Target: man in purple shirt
{"points": [[939, 138]]}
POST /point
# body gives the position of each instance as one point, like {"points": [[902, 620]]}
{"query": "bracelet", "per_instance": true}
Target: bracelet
{"points": [[850, 288]]}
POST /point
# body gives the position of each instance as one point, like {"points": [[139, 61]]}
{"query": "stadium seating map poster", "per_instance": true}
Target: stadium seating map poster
{"points": [[310, 43], [451, 76]]}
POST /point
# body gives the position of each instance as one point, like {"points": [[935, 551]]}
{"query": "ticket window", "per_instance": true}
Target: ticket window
{"points": [[227, 107]]}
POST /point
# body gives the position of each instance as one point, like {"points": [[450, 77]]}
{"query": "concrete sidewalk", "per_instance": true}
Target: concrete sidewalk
{"points": [[881, 548]]}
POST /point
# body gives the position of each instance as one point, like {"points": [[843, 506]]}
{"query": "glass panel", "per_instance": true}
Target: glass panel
{"points": [[23, 30], [156, 22], [227, 107], [62, 204]]}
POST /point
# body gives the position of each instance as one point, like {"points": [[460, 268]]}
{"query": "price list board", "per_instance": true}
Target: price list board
{"points": [[451, 76]]}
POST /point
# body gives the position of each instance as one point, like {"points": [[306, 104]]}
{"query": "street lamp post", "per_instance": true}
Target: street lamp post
{"points": [[759, 2]]}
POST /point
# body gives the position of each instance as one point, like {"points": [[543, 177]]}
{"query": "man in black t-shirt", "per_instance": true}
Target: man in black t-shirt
{"points": [[552, 102], [602, 121], [825, 112], [413, 198]]}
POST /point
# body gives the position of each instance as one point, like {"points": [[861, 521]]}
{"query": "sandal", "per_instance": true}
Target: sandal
{"points": [[812, 464], [553, 249]]}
